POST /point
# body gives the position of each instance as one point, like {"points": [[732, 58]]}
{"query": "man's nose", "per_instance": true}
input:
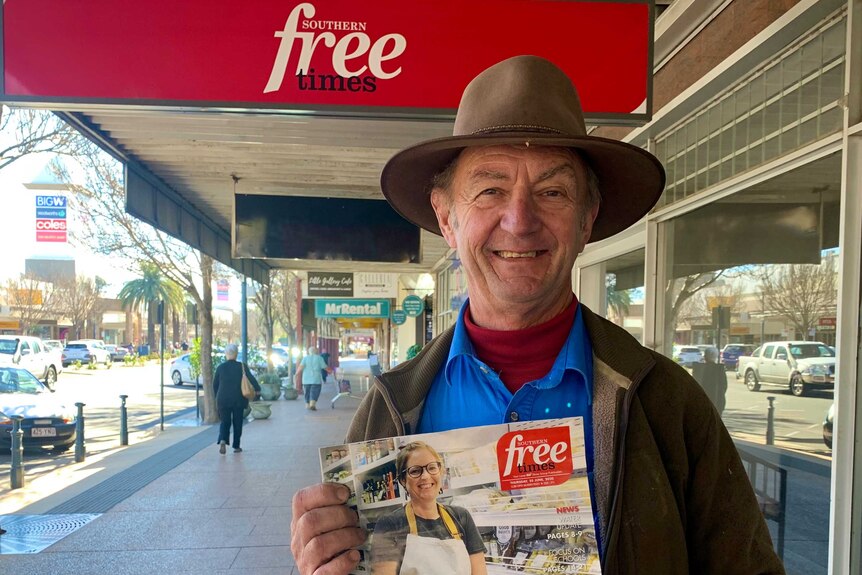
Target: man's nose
{"points": [[520, 214]]}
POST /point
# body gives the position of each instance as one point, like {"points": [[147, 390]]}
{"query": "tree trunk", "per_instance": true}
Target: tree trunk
{"points": [[205, 316]]}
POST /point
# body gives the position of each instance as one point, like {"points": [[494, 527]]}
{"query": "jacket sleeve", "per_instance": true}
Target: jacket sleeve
{"points": [[722, 511], [216, 380]]}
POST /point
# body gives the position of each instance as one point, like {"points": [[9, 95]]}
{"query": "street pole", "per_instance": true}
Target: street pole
{"points": [[243, 320], [161, 319]]}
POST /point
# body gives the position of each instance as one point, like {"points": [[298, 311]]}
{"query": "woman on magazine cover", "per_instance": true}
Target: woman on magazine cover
{"points": [[425, 537]]}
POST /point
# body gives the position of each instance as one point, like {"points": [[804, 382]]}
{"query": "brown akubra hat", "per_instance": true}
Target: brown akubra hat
{"points": [[527, 100]]}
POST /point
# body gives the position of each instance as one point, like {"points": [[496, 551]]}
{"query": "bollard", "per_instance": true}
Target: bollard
{"points": [[770, 422], [80, 455], [124, 426], [17, 469]]}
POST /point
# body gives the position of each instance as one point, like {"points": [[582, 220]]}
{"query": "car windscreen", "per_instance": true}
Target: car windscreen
{"points": [[8, 346], [77, 346], [14, 380], [802, 351]]}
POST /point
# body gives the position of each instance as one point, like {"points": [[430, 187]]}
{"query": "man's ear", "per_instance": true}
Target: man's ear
{"points": [[588, 224], [442, 209]]}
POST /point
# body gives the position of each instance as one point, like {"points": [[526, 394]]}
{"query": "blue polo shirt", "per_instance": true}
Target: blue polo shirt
{"points": [[468, 393]]}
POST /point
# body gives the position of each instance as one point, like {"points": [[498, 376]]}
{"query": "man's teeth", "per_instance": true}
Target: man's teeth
{"points": [[503, 254]]}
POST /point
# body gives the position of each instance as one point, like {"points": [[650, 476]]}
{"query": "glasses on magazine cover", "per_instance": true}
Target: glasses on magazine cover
{"points": [[432, 468]]}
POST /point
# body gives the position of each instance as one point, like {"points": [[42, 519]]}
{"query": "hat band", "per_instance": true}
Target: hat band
{"points": [[516, 127]]}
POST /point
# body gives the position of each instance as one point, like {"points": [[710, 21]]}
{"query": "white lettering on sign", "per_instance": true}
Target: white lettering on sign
{"points": [[350, 47], [352, 309], [51, 201], [542, 453], [50, 224]]}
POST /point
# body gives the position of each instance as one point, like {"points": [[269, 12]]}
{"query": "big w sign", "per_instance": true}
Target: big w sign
{"points": [[379, 57]]}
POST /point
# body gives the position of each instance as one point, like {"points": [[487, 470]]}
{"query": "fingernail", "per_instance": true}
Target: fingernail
{"points": [[353, 554], [344, 494]]}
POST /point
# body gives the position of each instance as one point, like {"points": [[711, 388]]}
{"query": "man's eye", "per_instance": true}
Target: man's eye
{"points": [[554, 193], [488, 192]]}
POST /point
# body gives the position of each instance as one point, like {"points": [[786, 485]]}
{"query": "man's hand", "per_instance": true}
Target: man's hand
{"points": [[324, 530]]}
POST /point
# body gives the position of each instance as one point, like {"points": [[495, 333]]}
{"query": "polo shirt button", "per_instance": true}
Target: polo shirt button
{"points": [[513, 416]]}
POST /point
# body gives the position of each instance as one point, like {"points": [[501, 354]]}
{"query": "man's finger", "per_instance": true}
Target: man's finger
{"points": [[320, 495], [322, 520], [326, 547], [344, 563]]}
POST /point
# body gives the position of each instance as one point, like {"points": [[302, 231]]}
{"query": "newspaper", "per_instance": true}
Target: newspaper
{"points": [[523, 484]]}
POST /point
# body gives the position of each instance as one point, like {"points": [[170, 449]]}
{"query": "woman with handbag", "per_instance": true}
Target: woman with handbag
{"points": [[234, 385]]}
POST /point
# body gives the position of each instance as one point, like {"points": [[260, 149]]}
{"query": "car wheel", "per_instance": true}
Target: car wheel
{"points": [[177, 378], [751, 381], [51, 377], [797, 386]]}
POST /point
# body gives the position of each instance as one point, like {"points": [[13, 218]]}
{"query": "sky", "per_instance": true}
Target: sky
{"points": [[18, 231]]}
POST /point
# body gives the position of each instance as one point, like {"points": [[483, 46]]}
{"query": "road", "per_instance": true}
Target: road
{"points": [[798, 420], [100, 391]]}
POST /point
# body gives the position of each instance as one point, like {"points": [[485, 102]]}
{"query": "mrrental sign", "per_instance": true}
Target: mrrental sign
{"points": [[382, 57], [351, 308]]}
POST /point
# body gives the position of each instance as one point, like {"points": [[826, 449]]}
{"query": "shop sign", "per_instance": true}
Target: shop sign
{"points": [[413, 305], [338, 54], [329, 284], [351, 308], [827, 323], [13, 324], [51, 218], [375, 285], [398, 316]]}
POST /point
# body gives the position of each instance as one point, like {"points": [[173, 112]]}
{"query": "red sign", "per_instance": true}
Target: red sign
{"points": [[534, 458], [50, 236], [318, 55], [827, 322]]}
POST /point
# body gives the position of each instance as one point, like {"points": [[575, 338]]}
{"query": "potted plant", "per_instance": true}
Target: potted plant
{"points": [[289, 389], [270, 386]]}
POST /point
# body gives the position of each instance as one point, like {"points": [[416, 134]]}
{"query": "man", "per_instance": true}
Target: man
{"points": [[518, 191], [312, 370]]}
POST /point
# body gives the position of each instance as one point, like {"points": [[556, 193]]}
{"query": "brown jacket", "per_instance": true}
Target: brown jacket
{"points": [[672, 494]]}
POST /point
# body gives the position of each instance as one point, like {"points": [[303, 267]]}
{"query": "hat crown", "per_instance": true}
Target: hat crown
{"points": [[521, 94]]}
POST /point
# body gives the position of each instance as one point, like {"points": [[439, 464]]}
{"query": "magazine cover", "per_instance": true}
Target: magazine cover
{"points": [[513, 496]]}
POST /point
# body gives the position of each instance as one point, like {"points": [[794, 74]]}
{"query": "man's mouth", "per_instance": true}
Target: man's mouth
{"points": [[516, 255]]}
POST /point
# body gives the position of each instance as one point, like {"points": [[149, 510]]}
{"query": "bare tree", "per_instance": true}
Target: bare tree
{"points": [[32, 300], [677, 293], [78, 300], [284, 295], [36, 131], [265, 319], [107, 228], [800, 292]]}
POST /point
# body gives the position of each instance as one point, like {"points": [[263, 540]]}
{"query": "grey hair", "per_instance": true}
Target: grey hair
{"points": [[710, 354], [231, 350]]}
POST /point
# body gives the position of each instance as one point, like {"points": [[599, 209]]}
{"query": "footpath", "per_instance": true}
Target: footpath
{"points": [[173, 504]]}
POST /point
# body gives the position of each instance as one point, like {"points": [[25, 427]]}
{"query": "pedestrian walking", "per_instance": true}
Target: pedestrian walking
{"points": [[311, 370], [227, 386]]}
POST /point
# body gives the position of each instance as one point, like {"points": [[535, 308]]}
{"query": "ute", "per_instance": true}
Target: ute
{"points": [[798, 366]]}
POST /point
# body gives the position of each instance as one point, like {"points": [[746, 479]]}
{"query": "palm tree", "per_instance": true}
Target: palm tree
{"points": [[618, 300], [148, 291]]}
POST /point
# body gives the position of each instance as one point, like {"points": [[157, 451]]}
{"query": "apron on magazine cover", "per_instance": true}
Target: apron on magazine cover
{"points": [[432, 556]]}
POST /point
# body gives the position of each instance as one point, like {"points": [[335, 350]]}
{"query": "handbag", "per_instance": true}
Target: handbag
{"points": [[248, 390]]}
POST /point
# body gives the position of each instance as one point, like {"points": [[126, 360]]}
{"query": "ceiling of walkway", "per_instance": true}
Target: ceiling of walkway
{"points": [[197, 154]]}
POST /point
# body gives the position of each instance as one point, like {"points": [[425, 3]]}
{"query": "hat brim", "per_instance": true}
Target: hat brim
{"points": [[631, 179]]}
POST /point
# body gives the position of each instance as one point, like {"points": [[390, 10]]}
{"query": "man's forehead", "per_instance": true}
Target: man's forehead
{"points": [[502, 161]]}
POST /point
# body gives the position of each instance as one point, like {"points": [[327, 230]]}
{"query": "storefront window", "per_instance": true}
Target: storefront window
{"points": [[624, 292], [754, 277]]}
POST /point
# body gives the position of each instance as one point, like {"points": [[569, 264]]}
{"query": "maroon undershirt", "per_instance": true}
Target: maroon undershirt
{"points": [[522, 355]]}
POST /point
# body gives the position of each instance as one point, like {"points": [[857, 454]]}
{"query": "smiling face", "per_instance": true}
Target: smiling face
{"points": [[426, 487], [518, 219]]}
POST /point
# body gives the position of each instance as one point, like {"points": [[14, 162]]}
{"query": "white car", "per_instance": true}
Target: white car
{"points": [[180, 370], [687, 355], [86, 351]]}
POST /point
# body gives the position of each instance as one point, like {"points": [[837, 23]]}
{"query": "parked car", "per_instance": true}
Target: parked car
{"points": [[729, 356], [47, 422], [180, 370], [687, 355], [85, 351], [32, 354], [827, 426], [797, 366], [118, 353]]}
